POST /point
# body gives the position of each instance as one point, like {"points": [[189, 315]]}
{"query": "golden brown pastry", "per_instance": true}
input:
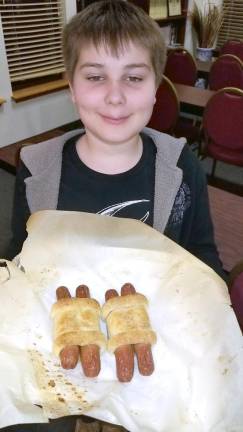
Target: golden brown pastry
{"points": [[76, 322], [127, 321]]}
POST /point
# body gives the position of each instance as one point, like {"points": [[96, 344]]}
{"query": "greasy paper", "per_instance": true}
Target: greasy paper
{"points": [[197, 385]]}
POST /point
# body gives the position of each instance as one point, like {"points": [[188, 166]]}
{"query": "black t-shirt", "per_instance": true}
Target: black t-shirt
{"points": [[127, 195], [130, 194]]}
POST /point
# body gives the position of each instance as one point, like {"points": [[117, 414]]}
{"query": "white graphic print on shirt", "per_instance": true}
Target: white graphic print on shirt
{"points": [[115, 208]]}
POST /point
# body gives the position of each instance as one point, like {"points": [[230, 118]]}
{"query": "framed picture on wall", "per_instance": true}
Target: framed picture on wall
{"points": [[174, 7]]}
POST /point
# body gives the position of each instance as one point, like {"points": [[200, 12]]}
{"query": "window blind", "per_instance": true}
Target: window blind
{"points": [[33, 37], [232, 27]]}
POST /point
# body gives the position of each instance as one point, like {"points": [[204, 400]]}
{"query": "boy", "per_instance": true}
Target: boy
{"points": [[114, 55]]}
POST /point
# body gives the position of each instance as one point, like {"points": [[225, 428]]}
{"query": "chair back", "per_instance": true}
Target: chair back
{"points": [[226, 71], [181, 67], [223, 126], [166, 109], [234, 47]]}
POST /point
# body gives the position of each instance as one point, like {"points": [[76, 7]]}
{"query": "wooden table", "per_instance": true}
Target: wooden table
{"points": [[227, 211], [195, 96]]}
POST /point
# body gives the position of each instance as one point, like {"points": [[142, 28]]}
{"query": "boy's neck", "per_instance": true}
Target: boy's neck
{"points": [[109, 158]]}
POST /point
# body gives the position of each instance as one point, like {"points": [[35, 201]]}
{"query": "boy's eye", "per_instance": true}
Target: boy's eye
{"points": [[133, 78], [95, 78]]}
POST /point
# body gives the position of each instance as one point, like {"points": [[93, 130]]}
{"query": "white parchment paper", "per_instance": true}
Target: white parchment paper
{"points": [[197, 385]]}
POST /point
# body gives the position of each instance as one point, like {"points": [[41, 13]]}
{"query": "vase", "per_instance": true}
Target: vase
{"points": [[204, 54]]}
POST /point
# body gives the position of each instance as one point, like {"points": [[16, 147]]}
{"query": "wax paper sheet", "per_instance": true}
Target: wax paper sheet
{"points": [[197, 385]]}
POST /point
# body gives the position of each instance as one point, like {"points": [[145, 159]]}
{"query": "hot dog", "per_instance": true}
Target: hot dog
{"points": [[142, 350], [124, 355], [70, 354], [89, 354]]}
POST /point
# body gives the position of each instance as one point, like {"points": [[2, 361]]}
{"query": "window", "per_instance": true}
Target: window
{"points": [[33, 40], [232, 27]]}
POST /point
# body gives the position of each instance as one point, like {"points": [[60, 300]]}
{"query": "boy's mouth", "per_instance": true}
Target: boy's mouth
{"points": [[114, 120]]}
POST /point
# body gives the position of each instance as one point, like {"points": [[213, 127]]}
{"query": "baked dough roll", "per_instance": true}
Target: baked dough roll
{"points": [[127, 321], [76, 322]]}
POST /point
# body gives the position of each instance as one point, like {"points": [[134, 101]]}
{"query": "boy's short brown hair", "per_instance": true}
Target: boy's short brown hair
{"points": [[113, 23]]}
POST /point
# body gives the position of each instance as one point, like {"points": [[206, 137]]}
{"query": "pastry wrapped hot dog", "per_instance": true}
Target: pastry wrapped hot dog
{"points": [[124, 354], [89, 354], [69, 355], [76, 323], [142, 350], [128, 324]]}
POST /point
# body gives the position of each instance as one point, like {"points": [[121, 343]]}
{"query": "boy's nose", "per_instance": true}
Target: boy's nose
{"points": [[115, 93]]}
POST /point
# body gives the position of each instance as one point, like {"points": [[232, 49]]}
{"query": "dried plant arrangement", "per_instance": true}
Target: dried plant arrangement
{"points": [[206, 23]]}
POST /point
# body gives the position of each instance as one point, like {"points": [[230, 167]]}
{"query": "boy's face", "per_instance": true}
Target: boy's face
{"points": [[114, 95]]}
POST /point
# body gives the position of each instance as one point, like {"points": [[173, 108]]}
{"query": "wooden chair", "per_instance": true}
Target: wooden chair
{"points": [[226, 71], [181, 67], [222, 127], [234, 47]]}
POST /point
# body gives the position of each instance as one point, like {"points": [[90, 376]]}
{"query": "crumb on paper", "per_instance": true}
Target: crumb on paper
{"points": [[61, 399]]}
